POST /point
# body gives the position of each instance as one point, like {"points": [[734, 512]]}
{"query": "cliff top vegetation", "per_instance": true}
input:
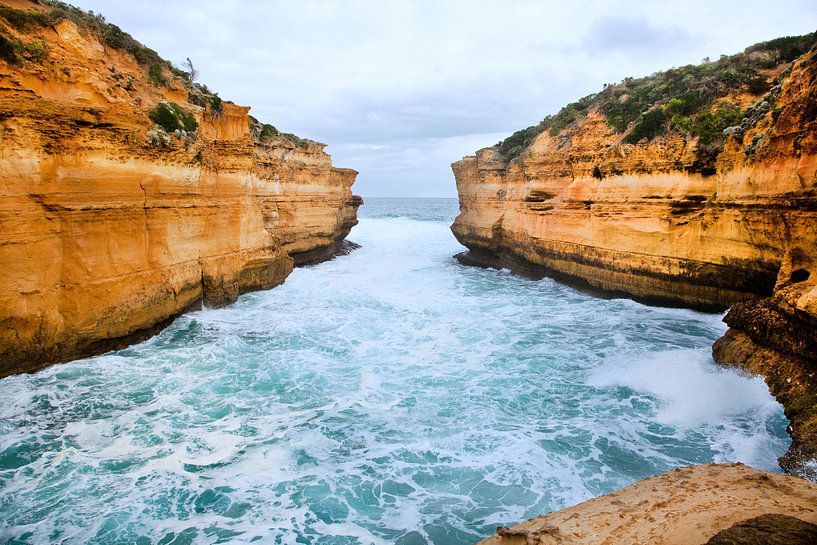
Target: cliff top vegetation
{"points": [[22, 49], [691, 100]]}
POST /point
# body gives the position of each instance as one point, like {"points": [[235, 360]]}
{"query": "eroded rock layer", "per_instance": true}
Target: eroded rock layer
{"points": [[109, 230], [637, 218], [687, 506], [646, 220]]}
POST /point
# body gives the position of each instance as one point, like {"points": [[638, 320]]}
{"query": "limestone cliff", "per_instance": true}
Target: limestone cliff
{"points": [[688, 506], [701, 203], [112, 222]]}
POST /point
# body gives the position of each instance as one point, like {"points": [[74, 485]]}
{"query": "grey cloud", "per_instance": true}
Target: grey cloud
{"points": [[634, 34]]}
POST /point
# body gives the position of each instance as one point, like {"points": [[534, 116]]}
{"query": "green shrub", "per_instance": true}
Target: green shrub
{"points": [[294, 138], [267, 132], [516, 143], [196, 99], [674, 106], [171, 117], [23, 20], [758, 84], [264, 132], [708, 126], [8, 49], [200, 95], [35, 52], [145, 56], [651, 124], [156, 75], [179, 73], [16, 51], [216, 104], [568, 115]]}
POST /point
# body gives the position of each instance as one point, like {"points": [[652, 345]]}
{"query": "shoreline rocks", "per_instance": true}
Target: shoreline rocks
{"points": [[686, 506]]}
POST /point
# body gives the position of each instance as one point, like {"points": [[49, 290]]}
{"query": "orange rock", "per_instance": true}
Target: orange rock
{"points": [[644, 221], [104, 237], [685, 506]]}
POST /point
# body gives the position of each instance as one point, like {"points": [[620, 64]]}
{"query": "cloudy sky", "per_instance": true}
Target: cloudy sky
{"points": [[400, 89]]}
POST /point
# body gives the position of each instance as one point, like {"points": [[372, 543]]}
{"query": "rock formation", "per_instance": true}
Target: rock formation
{"points": [[129, 193], [670, 206], [694, 505]]}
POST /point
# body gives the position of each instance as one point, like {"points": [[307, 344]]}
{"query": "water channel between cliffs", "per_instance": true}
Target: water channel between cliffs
{"points": [[388, 396]]}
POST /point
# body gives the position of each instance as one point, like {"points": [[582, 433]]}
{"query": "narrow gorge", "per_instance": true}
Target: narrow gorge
{"points": [[132, 193], [562, 359], [695, 187]]}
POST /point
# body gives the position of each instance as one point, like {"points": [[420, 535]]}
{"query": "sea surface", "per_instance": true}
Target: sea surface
{"points": [[388, 396]]}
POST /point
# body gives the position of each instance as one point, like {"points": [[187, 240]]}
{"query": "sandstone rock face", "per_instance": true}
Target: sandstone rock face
{"points": [[636, 219], [105, 237], [777, 337], [686, 506], [644, 221]]}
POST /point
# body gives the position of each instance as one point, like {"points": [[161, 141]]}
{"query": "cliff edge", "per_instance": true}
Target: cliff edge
{"points": [[131, 193], [693, 187]]}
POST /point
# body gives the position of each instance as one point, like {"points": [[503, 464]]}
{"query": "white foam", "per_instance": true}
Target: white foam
{"points": [[692, 390], [414, 392]]}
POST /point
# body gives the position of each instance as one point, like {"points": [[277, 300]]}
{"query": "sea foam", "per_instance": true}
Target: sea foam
{"points": [[388, 396]]}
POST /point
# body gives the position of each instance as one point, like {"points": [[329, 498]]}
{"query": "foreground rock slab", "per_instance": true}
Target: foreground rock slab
{"points": [[687, 506]]}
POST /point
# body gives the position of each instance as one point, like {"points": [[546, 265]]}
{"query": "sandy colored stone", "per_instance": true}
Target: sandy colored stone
{"points": [[104, 238], [686, 506], [639, 221]]}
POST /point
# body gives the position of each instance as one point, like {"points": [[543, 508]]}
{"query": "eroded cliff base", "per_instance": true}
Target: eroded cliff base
{"points": [[793, 381], [320, 255], [599, 281]]}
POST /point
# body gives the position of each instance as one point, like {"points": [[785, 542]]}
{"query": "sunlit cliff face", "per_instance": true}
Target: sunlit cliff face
{"points": [[113, 226], [641, 220]]}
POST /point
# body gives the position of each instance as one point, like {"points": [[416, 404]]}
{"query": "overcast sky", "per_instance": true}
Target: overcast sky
{"points": [[399, 90]]}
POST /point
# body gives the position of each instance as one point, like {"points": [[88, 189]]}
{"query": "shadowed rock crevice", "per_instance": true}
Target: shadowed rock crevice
{"points": [[768, 530]]}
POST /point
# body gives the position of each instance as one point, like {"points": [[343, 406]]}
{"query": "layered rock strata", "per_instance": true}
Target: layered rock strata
{"points": [[688, 506], [108, 231], [645, 221], [777, 336]]}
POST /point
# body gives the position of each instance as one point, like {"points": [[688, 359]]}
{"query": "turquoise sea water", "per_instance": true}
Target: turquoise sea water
{"points": [[388, 396]]}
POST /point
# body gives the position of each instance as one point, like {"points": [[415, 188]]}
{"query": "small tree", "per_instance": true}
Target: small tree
{"points": [[188, 65]]}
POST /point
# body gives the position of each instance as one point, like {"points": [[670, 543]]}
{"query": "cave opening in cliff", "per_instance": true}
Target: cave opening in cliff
{"points": [[799, 275]]}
